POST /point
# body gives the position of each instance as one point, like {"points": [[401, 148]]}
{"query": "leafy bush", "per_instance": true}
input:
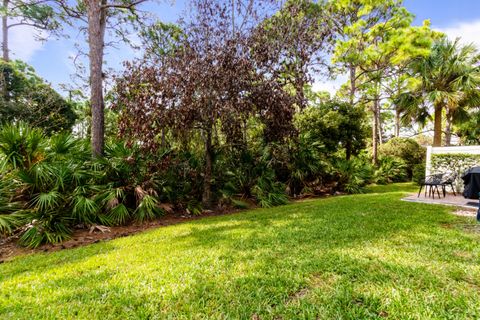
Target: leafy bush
{"points": [[51, 185], [352, 175], [405, 149], [21, 145], [31, 100], [391, 169], [9, 221], [268, 192], [297, 163], [127, 191], [418, 173], [56, 194], [253, 177], [335, 125]]}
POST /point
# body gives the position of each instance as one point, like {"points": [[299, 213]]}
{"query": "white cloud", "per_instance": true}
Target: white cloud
{"points": [[331, 86], [468, 32], [23, 42]]}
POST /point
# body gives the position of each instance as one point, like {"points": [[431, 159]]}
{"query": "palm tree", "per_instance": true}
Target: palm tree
{"points": [[449, 78]]}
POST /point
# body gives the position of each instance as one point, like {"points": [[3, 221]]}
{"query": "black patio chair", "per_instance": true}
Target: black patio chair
{"points": [[433, 181], [448, 179]]}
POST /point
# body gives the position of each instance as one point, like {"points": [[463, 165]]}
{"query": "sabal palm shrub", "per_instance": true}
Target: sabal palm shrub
{"points": [[53, 187], [268, 191], [351, 175], [391, 169], [307, 165], [21, 146], [236, 172], [248, 174], [127, 190], [9, 221], [49, 186]]}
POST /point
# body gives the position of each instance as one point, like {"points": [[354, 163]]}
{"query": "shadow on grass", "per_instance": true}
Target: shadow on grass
{"points": [[42, 262], [334, 222]]}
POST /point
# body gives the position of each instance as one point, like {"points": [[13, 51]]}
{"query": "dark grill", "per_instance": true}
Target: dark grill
{"points": [[471, 180]]}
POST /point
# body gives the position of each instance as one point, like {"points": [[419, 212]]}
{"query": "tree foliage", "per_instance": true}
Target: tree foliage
{"points": [[447, 81], [29, 98], [213, 80], [39, 15], [336, 125]]}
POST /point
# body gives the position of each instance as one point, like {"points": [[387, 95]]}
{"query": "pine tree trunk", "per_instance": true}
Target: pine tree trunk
{"points": [[375, 133], [5, 33], [207, 187], [353, 88], [398, 113], [379, 122], [96, 41], [397, 123], [437, 126]]}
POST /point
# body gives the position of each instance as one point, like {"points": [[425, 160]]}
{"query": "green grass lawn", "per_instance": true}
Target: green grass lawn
{"points": [[349, 257]]}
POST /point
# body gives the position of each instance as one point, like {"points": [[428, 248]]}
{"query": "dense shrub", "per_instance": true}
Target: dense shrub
{"points": [[418, 173], [251, 175], [32, 100], [268, 192], [51, 185], [336, 125], [390, 169], [352, 175], [405, 149]]}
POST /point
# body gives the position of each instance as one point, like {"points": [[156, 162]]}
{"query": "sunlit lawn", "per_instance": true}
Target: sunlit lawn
{"points": [[349, 257]]}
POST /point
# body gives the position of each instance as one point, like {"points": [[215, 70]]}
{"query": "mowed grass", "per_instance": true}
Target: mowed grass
{"points": [[351, 257]]}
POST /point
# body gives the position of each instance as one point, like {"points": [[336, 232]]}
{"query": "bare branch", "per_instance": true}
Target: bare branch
{"points": [[129, 6]]}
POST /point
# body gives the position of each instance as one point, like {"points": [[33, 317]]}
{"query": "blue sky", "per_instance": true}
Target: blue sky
{"points": [[52, 59]]}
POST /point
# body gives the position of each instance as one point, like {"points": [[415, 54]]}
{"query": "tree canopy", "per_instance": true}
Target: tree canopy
{"points": [[29, 98]]}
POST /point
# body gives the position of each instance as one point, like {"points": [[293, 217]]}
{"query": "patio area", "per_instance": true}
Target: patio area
{"points": [[449, 199]]}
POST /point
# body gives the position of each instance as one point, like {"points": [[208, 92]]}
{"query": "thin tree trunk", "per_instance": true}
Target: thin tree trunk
{"points": [[207, 187], [4, 75], [379, 111], [244, 132], [96, 34], [300, 83], [375, 133], [397, 122], [380, 126], [233, 18], [353, 87], [437, 126], [348, 150], [5, 33], [398, 114]]}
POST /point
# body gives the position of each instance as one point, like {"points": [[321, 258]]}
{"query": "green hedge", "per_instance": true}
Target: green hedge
{"points": [[457, 162]]}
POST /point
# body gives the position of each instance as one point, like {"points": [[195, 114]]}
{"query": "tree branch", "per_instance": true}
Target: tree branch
{"points": [[123, 5]]}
